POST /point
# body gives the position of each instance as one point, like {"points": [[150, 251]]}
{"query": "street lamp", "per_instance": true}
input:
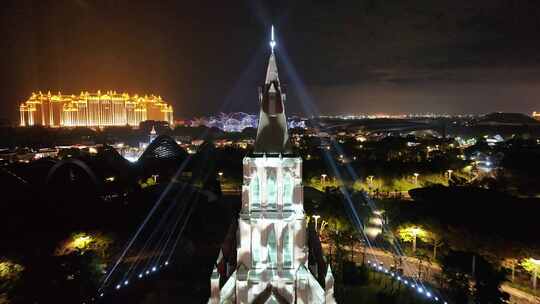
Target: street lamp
{"points": [[535, 273], [316, 217], [415, 232], [220, 175], [449, 171], [416, 177], [323, 179], [411, 233]]}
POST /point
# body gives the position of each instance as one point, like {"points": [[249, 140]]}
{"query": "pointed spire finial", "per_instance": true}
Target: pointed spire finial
{"points": [[272, 41]]}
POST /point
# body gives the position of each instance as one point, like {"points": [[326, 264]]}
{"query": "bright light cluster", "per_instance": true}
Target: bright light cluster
{"points": [[9, 270], [93, 109], [532, 266], [407, 282], [238, 121], [81, 241]]}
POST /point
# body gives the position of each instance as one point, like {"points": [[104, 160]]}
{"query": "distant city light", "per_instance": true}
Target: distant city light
{"points": [[238, 121], [93, 109]]}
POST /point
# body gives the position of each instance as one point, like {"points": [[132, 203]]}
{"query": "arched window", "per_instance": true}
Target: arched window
{"points": [[287, 247], [288, 187], [272, 247], [254, 199], [255, 247], [271, 189]]}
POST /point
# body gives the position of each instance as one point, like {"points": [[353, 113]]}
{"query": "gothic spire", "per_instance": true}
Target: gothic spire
{"points": [[272, 71], [272, 134]]}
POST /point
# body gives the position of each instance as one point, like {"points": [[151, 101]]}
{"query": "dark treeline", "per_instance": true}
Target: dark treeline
{"points": [[39, 215]]}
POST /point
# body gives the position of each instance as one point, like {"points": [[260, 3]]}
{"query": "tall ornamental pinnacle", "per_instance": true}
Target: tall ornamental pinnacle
{"points": [[272, 41], [272, 134]]}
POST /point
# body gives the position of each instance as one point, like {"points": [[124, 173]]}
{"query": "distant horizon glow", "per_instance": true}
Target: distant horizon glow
{"points": [[357, 63]]}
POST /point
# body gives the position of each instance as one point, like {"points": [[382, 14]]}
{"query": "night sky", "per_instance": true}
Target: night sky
{"points": [[360, 56]]}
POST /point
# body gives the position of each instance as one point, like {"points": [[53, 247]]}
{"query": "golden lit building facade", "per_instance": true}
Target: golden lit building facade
{"points": [[93, 110]]}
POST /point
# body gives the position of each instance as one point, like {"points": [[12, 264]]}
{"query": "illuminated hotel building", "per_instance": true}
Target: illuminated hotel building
{"points": [[93, 110]]}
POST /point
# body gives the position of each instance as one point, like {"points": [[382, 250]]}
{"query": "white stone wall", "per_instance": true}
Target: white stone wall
{"points": [[257, 217], [285, 217]]}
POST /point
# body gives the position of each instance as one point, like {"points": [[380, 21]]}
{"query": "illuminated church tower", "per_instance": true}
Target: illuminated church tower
{"points": [[153, 135], [272, 249]]}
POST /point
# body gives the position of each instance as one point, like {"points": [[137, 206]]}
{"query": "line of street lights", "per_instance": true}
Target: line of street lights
{"points": [[141, 275], [406, 281], [370, 178]]}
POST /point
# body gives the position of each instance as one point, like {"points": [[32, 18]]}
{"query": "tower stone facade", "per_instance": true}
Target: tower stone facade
{"points": [[272, 249]]}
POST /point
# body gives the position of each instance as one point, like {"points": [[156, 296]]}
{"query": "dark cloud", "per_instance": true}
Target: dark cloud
{"points": [[428, 97], [206, 56]]}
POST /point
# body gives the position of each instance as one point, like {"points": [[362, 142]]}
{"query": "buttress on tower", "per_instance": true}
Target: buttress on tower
{"points": [[272, 250]]}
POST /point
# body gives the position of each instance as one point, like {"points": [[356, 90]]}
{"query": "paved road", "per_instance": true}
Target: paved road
{"points": [[411, 265]]}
